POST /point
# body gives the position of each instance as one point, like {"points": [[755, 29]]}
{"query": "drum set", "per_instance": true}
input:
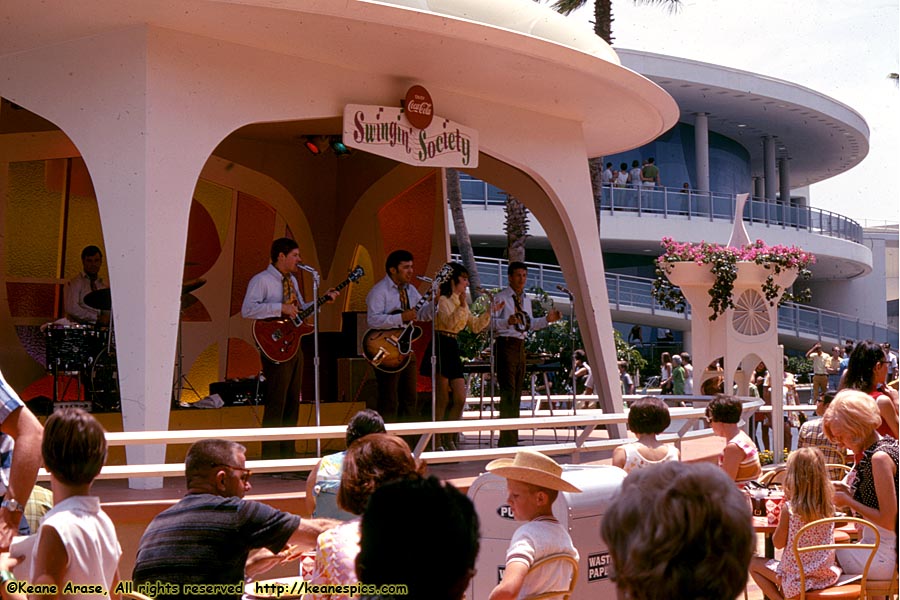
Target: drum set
{"points": [[86, 353]]}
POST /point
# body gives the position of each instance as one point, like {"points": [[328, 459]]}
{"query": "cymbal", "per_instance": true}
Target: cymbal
{"points": [[192, 284], [99, 299]]}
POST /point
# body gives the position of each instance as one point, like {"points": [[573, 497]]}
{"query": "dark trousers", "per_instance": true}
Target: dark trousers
{"points": [[510, 376], [398, 400], [282, 403]]}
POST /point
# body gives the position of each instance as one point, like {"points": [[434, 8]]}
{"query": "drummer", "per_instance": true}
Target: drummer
{"points": [[84, 283]]}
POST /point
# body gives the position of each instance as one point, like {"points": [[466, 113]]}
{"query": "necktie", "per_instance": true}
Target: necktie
{"points": [[518, 302], [288, 287], [404, 299]]}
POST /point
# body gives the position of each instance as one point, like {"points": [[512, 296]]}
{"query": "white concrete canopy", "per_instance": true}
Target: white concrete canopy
{"points": [[146, 90]]}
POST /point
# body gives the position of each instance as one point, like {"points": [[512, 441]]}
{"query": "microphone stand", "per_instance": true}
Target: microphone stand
{"points": [[315, 277], [572, 339], [434, 350], [492, 367]]}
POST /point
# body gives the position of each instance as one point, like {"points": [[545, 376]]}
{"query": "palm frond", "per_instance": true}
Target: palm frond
{"points": [[566, 7], [673, 6]]}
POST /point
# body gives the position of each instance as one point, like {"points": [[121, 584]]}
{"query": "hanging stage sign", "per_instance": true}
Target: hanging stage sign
{"points": [[387, 132]]}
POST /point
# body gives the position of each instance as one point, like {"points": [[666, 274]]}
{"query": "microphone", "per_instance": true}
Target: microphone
{"points": [[564, 290], [425, 279], [306, 268]]}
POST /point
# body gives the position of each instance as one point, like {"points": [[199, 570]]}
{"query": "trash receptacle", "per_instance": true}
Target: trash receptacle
{"points": [[580, 514]]}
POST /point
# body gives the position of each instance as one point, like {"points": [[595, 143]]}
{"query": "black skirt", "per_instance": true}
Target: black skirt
{"points": [[449, 364]]}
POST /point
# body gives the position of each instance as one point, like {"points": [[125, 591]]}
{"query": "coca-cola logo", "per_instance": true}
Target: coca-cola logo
{"points": [[419, 107]]}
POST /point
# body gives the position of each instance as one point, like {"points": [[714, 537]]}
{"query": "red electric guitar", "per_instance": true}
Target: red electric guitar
{"points": [[279, 338]]}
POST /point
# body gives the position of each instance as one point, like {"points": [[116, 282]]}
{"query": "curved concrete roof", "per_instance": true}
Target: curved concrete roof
{"points": [[510, 52], [821, 136]]}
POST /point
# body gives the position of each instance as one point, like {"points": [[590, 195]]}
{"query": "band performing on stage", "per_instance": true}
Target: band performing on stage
{"points": [[82, 345]]}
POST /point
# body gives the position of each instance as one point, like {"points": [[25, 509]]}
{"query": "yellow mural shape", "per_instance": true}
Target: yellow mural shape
{"points": [[203, 372], [32, 223], [356, 299], [216, 199]]}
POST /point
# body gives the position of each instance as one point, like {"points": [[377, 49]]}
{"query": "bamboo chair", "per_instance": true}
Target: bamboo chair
{"points": [[562, 594], [850, 591]]}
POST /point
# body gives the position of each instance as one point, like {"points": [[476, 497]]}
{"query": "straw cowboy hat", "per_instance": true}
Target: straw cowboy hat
{"points": [[534, 468]]}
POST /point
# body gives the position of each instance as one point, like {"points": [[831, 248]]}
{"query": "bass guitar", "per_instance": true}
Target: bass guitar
{"points": [[279, 338], [388, 349]]}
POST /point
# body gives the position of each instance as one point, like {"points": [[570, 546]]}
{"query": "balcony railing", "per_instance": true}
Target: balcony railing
{"points": [[626, 292], [712, 206]]}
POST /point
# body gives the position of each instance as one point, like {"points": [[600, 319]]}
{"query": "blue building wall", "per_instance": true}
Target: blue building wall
{"points": [[729, 161]]}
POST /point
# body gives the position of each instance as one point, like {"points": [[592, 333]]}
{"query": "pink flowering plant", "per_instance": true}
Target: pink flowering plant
{"points": [[722, 261]]}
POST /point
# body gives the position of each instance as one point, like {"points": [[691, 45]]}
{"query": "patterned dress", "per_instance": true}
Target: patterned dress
{"points": [[819, 567], [336, 552]]}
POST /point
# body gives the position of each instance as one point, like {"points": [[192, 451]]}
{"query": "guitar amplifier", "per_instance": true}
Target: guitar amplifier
{"points": [[240, 392]]}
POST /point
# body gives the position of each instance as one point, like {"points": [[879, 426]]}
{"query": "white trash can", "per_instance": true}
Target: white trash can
{"points": [[580, 514]]}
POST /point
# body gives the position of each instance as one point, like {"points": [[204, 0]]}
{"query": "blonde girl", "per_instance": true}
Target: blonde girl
{"points": [[809, 496]]}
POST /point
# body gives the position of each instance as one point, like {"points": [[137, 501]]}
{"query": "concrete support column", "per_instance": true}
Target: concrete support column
{"points": [[769, 167], [701, 150], [759, 190], [784, 179]]}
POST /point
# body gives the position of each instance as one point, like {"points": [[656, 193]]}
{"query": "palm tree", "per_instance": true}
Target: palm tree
{"points": [[463, 241], [516, 227], [603, 17]]}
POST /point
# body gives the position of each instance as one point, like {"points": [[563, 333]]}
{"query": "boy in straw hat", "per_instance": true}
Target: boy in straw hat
{"points": [[533, 481]]}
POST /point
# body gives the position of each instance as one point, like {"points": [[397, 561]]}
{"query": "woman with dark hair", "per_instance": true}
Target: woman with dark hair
{"points": [[370, 462], [647, 418], [324, 480], [740, 457], [452, 316], [866, 372]]}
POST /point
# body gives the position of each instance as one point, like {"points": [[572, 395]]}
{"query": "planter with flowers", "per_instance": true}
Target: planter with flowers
{"points": [[713, 271]]}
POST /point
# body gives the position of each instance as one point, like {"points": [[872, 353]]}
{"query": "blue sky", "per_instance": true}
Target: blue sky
{"points": [[844, 50]]}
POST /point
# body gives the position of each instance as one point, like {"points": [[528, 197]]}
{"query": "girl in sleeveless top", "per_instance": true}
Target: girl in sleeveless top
{"points": [[740, 457], [647, 418]]}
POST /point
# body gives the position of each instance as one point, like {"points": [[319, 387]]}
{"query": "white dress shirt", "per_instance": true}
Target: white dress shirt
{"points": [[502, 328], [265, 295], [76, 289], [383, 303]]}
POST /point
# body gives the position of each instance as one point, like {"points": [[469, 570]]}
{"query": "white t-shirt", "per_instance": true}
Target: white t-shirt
{"points": [[535, 540]]}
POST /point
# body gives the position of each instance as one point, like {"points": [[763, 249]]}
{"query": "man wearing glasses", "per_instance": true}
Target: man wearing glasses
{"points": [[207, 537]]}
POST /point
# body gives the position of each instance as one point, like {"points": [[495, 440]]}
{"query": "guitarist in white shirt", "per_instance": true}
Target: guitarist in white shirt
{"points": [[388, 309], [270, 294]]}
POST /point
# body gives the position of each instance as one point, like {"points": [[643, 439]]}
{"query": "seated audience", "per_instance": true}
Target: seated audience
{"points": [[324, 480], [207, 536], [870, 490], [812, 434], [647, 418], [76, 542], [370, 462], [808, 497], [679, 531], [421, 534], [740, 457], [534, 482], [18, 470], [866, 370]]}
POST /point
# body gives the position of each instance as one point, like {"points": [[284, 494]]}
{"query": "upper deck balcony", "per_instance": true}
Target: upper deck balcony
{"points": [[634, 220]]}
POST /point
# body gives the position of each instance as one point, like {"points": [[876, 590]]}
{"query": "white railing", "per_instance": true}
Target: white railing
{"points": [[583, 425], [629, 292]]}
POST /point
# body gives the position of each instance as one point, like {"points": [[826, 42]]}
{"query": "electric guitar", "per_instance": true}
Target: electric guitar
{"points": [[279, 338], [388, 349]]}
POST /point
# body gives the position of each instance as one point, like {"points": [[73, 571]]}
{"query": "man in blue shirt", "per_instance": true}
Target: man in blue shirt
{"points": [[274, 293]]}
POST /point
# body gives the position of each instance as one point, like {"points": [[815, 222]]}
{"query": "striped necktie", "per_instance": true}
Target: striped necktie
{"points": [[404, 299]]}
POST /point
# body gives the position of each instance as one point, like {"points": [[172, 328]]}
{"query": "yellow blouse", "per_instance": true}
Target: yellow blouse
{"points": [[453, 316]]}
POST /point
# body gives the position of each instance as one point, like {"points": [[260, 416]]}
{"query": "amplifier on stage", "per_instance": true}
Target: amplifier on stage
{"points": [[239, 392]]}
